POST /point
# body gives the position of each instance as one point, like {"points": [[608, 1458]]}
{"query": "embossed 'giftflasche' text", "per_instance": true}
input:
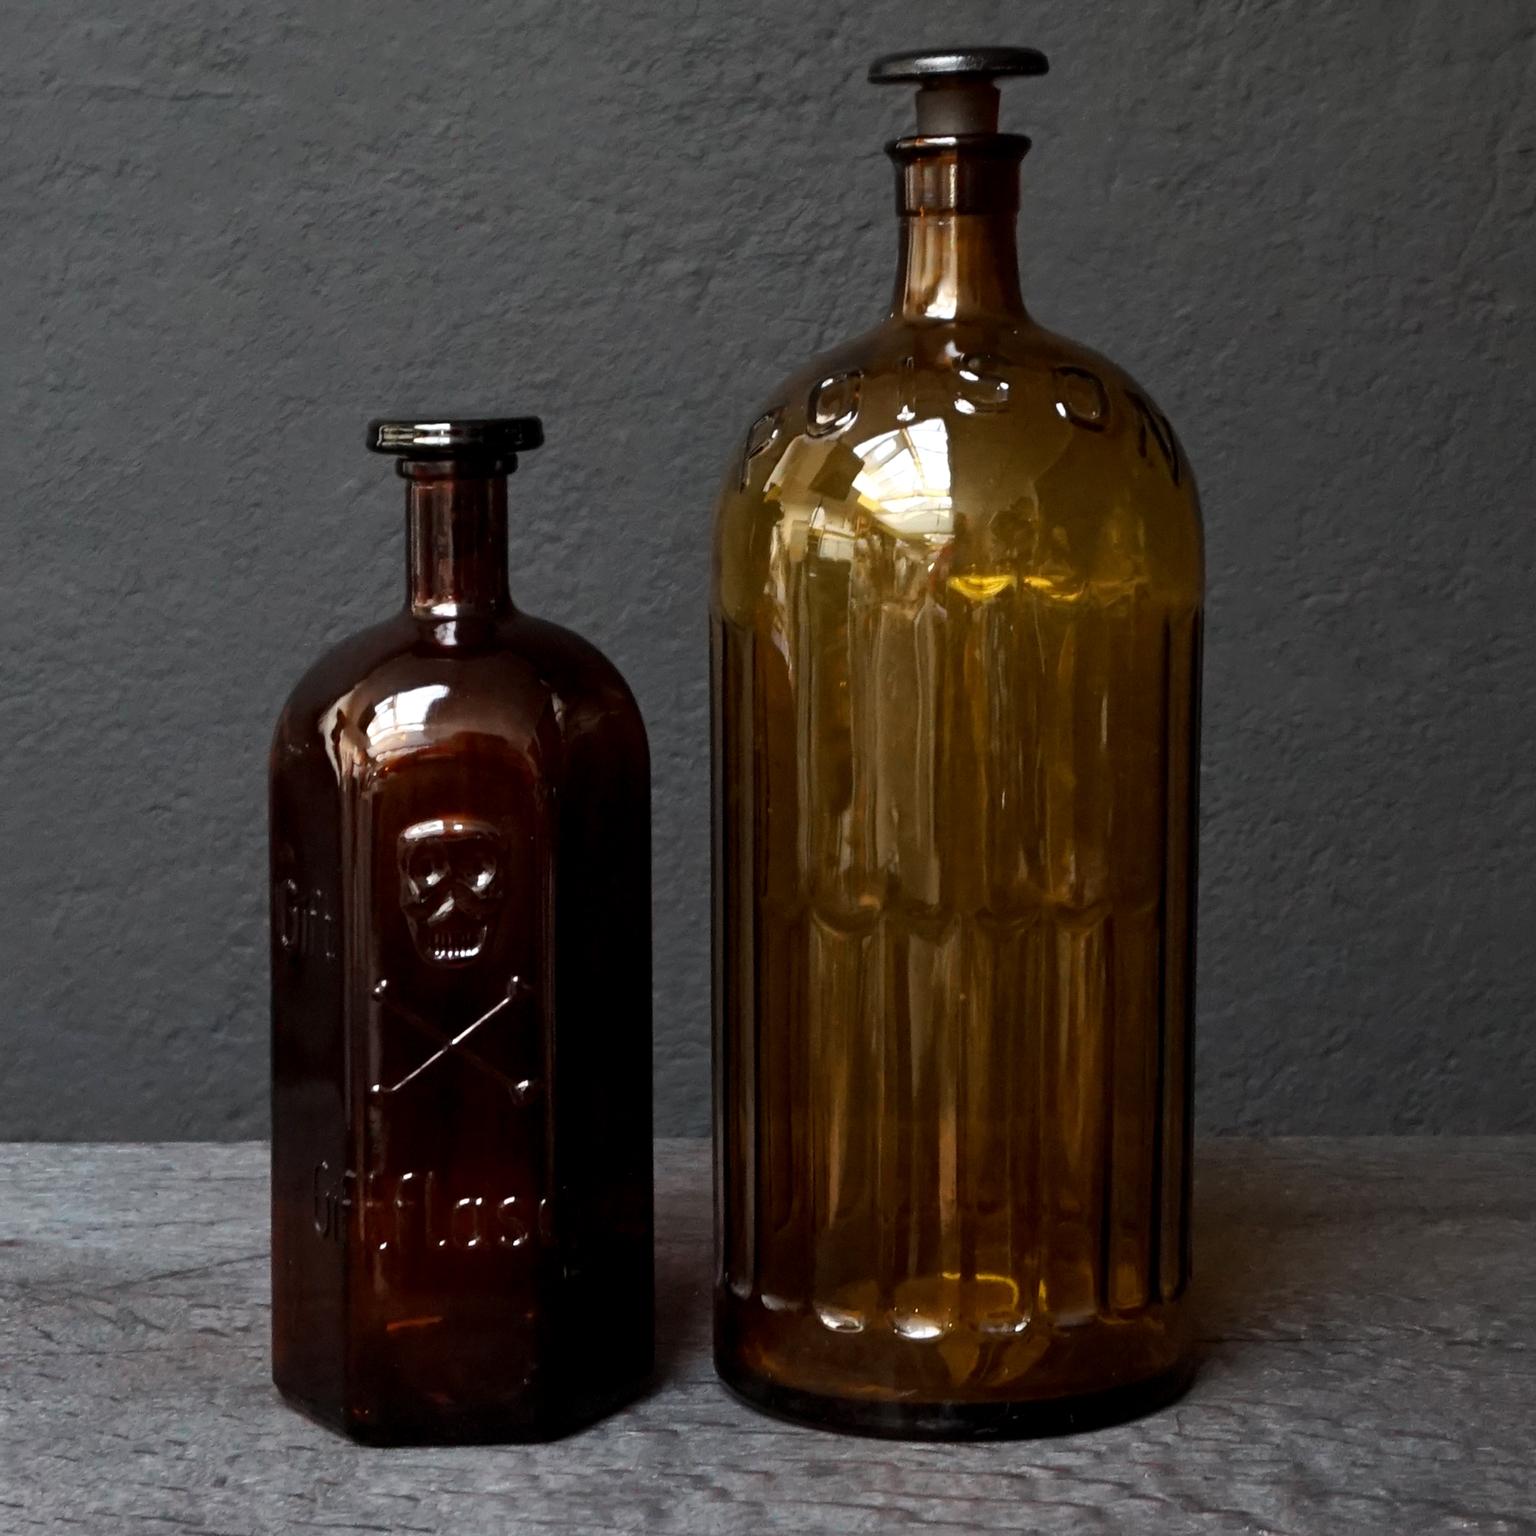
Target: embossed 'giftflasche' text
{"points": [[403, 1211]]}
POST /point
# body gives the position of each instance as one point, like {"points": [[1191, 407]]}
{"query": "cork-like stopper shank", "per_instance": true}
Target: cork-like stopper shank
{"points": [[957, 94]]}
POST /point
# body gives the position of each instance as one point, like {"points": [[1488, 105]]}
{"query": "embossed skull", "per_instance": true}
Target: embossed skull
{"points": [[451, 886]]}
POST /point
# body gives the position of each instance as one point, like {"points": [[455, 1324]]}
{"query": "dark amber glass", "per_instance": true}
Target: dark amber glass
{"points": [[956, 634], [461, 1121]]}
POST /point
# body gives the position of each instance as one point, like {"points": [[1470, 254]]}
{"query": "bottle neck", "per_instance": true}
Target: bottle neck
{"points": [[958, 200], [956, 265], [456, 538]]}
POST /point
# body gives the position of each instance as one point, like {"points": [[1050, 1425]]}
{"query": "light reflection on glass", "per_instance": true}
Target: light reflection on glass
{"points": [[905, 481], [399, 719]]}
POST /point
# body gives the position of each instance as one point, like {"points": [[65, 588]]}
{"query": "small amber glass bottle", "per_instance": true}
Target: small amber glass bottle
{"points": [[956, 632], [461, 1121]]}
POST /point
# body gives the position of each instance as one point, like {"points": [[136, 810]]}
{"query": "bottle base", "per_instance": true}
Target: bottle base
{"points": [[512, 1427], [891, 1420]]}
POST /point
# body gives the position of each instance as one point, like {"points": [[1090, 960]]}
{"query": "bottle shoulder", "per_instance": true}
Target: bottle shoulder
{"points": [[988, 440], [1018, 338], [410, 685], [592, 697], [999, 375]]}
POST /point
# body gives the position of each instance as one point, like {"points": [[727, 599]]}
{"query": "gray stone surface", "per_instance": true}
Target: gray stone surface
{"points": [[233, 229], [1369, 1355]]}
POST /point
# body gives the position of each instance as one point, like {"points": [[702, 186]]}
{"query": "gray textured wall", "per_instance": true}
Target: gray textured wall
{"points": [[233, 229]]}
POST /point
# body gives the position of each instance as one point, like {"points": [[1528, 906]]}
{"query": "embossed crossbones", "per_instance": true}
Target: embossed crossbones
{"points": [[522, 1092]]}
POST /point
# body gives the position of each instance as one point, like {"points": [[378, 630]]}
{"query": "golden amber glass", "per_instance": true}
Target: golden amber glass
{"points": [[956, 636]]}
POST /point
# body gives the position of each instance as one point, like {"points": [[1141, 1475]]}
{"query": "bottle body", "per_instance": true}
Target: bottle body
{"points": [[956, 627], [461, 1034]]}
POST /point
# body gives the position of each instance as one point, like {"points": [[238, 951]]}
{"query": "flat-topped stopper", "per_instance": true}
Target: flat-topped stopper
{"points": [[956, 87]]}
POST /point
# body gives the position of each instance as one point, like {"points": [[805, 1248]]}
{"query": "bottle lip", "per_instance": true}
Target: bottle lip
{"points": [[973, 146], [958, 173], [455, 437]]}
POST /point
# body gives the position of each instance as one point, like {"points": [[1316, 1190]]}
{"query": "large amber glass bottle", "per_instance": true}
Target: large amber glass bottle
{"points": [[956, 632], [461, 1121]]}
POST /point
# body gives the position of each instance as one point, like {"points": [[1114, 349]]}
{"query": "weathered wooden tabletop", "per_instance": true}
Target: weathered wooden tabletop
{"points": [[1369, 1318]]}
